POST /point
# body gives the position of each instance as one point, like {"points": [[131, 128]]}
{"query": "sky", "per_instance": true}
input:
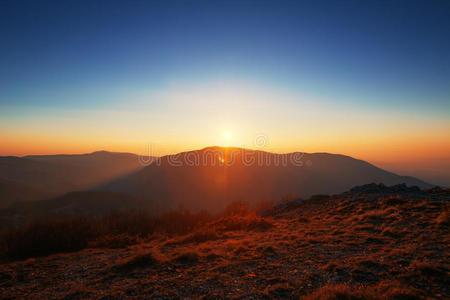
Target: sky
{"points": [[370, 79]]}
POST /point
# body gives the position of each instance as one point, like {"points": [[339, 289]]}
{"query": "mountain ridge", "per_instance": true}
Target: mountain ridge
{"points": [[185, 179]]}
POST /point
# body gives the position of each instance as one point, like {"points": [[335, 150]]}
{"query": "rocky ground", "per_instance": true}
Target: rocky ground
{"points": [[372, 242]]}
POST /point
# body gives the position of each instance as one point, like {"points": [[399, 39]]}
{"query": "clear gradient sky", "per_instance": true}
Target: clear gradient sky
{"points": [[367, 79]]}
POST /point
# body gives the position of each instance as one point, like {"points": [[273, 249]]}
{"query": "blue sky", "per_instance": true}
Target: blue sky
{"points": [[68, 53], [365, 78]]}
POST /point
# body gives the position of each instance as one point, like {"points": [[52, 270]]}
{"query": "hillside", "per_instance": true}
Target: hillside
{"points": [[191, 179], [74, 204], [372, 242], [59, 174], [12, 192]]}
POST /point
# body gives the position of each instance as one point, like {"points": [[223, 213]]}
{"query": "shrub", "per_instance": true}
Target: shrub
{"points": [[279, 290], [200, 237], [143, 260], [428, 270], [372, 217], [187, 258], [443, 219]]}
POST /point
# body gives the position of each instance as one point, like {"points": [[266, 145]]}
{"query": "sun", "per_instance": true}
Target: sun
{"points": [[227, 135]]}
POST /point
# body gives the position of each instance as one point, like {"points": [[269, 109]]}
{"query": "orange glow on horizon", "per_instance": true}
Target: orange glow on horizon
{"points": [[194, 117], [394, 149]]}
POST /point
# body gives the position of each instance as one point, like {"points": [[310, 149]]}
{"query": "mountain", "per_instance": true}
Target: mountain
{"points": [[213, 177], [12, 192], [59, 174], [436, 171]]}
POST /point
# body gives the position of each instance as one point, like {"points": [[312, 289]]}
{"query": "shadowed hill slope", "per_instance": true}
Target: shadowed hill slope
{"points": [[74, 204], [59, 174], [12, 192]]}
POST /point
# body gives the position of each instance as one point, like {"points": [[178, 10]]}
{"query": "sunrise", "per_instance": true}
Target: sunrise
{"points": [[224, 149]]}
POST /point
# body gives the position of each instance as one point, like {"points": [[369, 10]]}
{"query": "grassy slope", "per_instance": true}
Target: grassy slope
{"points": [[366, 246]]}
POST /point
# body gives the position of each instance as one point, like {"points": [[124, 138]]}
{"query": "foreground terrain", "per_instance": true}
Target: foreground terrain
{"points": [[372, 242]]}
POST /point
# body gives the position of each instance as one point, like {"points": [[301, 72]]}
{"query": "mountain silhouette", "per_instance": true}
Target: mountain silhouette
{"points": [[213, 177]]}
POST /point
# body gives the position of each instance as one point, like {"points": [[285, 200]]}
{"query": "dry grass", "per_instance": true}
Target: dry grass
{"points": [[443, 219], [112, 231], [141, 260], [200, 237], [341, 292], [388, 248], [382, 291], [189, 257]]}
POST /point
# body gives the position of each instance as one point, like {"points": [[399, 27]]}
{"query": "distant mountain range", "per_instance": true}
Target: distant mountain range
{"points": [[208, 179]]}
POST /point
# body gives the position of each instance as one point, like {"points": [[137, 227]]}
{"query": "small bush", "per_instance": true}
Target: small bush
{"points": [[213, 256], [240, 251], [443, 219], [372, 217], [428, 270], [269, 251], [140, 261], [200, 237], [187, 258], [302, 220], [279, 290]]}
